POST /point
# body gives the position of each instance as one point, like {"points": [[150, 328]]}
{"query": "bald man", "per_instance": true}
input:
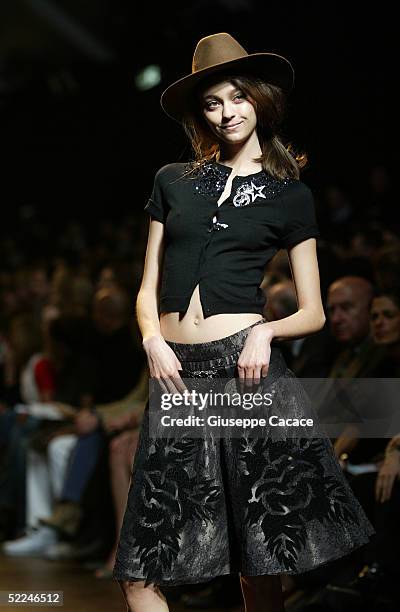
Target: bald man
{"points": [[348, 304], [348, 310]]}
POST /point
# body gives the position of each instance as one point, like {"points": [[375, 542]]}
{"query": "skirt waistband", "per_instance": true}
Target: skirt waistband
{"points": [[202, 351], [215, 354]]}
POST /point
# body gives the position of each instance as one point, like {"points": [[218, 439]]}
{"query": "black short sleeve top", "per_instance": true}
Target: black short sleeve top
{"points": [[224, 248]]}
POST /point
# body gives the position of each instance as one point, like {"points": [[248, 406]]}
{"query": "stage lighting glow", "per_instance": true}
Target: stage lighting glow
{"points": [[148, 77]]}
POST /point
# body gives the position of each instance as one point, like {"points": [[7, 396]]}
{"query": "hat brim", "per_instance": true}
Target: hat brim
{"points": [[273, 68]]}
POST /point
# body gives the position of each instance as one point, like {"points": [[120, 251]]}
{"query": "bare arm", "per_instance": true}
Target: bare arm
{"points": [[147, 298], [162, 361], [254, 359], [310, 316]]}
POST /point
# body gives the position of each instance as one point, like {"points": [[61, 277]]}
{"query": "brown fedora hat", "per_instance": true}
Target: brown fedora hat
{"points": [[219, 53]]}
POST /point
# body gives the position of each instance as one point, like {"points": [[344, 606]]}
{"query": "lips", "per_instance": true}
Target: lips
{"points": [[230, 127]]}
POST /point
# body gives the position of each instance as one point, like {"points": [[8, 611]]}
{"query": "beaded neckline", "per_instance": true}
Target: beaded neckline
{"points": [[209, 181]]}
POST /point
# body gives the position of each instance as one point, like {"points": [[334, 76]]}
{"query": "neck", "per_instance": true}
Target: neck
{"points": [[240, 157]]}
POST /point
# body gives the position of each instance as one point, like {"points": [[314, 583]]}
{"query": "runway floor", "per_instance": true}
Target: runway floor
{"points": [[82, 592]]}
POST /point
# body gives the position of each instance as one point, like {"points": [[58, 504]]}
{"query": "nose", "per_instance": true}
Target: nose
{"points": [[377, 321], [228, 112], [334, 315]]}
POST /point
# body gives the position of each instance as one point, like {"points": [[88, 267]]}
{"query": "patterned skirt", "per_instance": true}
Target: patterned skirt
{"points": [[199, 508]]}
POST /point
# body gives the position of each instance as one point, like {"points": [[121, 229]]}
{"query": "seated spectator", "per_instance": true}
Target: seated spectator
{"points": [[28, 360], [379, 494], [385, 332], [74, 375], [349, 300], [348, 308], [120, 420], [117, 361], [385, 324]]}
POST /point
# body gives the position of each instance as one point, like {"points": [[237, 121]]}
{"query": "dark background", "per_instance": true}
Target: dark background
{"points": [[80, 145], [79, 141]]}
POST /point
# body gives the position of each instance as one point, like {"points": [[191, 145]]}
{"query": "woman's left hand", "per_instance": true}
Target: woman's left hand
{"points": [[253, 362]]}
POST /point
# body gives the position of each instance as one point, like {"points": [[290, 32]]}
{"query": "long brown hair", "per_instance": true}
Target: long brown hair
{"points": [[279, 159]]}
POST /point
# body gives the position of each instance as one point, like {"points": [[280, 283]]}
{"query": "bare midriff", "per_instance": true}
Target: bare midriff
{"points": [[193, 327]]}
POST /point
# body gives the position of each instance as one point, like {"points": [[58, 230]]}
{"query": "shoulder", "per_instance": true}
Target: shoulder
{"points": [[169, 172], [297, 194], [285, 189], [297, 188], [298, 214]]}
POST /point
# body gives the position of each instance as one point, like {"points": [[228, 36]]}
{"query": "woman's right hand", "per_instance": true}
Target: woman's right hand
{"points": [[388, 472], [163, 364]]}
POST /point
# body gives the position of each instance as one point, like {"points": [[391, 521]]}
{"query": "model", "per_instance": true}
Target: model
{"points": [[259, 507]]}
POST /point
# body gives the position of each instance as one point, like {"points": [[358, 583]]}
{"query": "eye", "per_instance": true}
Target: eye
{"points": [[389, 314], [209, 104], [239, 96]]}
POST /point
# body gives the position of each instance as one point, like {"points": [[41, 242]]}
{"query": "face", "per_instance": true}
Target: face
{"points": [[229, 114], [385, 321], [348, 314]]}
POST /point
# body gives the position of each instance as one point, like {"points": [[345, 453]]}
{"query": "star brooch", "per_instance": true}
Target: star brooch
{"points": [[248, 193]]}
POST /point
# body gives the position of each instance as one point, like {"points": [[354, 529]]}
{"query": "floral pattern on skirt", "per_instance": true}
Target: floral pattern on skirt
{"points": [[198, 508]]}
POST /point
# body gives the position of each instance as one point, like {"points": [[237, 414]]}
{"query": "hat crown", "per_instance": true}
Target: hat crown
{"points": [[216, 49], [218, 53]]}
